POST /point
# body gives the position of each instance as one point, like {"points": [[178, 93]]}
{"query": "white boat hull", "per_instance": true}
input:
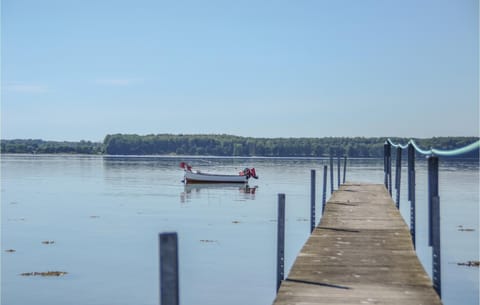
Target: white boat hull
{"points": [[192, 177]]}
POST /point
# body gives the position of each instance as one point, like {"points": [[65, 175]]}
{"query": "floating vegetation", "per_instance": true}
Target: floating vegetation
{"points": [[13, 202], [235, 221], [16, 219], [10, 250], [208, 241], [48, 242], [47, 273], [470, 264], [94, 216], [461, 228]]}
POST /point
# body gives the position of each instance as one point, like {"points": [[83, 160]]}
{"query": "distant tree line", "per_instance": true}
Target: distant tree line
{"points": [[228, 145], [50, 147]]}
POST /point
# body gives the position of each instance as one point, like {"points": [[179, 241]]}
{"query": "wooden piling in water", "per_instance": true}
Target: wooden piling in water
{"points": [[312, 199], [168, 249], [280, 240]]}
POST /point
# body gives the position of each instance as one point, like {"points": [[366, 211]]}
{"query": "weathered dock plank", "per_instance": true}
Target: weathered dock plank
{"points": [[360, 253]]}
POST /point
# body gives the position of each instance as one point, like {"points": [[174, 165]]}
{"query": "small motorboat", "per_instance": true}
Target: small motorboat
{"points": [[199, 177]]}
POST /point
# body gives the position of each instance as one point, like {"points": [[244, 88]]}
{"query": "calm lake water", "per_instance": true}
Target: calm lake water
{"points": [[104, 215]]}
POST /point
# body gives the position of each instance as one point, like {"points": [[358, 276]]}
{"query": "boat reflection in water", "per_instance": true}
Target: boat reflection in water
{"points": [[209, 190]]}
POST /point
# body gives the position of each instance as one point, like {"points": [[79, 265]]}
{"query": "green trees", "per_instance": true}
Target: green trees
{"points": [[50, 147], [227, 145]]}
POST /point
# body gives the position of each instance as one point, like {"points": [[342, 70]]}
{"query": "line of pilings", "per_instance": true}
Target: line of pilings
{"points": [[324, 193], [168, 243], [433, 201]]}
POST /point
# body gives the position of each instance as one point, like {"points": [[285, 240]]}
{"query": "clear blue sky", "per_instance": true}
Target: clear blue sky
{"points": [[75, 70]]}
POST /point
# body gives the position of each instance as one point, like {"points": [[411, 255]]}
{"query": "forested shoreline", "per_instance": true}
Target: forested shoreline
{"points": [[36, 146], [227, 145]]}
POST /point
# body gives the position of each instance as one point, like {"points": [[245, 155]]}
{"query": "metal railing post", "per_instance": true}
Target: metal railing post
{"points": [[386, 161], [436, 253], [338, 171], [324, 195], [398, 175], [280, 240], [344, 167], [312, 200], [411, 191], [168, 249], [432, 192], [331, 175], [389, 168], [434, 222]]}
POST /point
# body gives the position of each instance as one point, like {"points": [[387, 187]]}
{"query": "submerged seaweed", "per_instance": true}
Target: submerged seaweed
{"points": [[47, 273], [470, 264]]}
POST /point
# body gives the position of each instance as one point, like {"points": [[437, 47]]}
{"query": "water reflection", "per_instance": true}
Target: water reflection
{"points": [[109, 203], [191, 191]]}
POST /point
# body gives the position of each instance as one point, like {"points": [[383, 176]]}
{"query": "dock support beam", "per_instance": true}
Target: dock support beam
{"points": [[312, 200], [168, 269], [434, 222], [280, 240]]}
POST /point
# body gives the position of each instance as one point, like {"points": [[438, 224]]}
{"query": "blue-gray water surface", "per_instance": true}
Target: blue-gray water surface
{"points": [[98, 219]]}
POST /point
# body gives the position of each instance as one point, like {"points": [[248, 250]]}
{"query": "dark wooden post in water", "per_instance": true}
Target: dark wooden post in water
{"points": [[338, 170], [168, 269], [434, 222], [411, 190], [344, 167], [398, 175], [280, 240], [331, 174], [312, 200], [324, 195]]}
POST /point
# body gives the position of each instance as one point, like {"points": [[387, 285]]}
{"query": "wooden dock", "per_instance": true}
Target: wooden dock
{"points": [[360, 253]]}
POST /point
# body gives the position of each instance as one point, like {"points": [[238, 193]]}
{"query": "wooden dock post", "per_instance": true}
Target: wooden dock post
{"points": [[280, 240], [168, 249], [312, 200], [344, 167]]}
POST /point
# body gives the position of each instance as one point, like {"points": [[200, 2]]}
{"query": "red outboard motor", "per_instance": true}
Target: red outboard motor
{"points": [[253, 173], [245, 172], [185, 166], [249, 172]]}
